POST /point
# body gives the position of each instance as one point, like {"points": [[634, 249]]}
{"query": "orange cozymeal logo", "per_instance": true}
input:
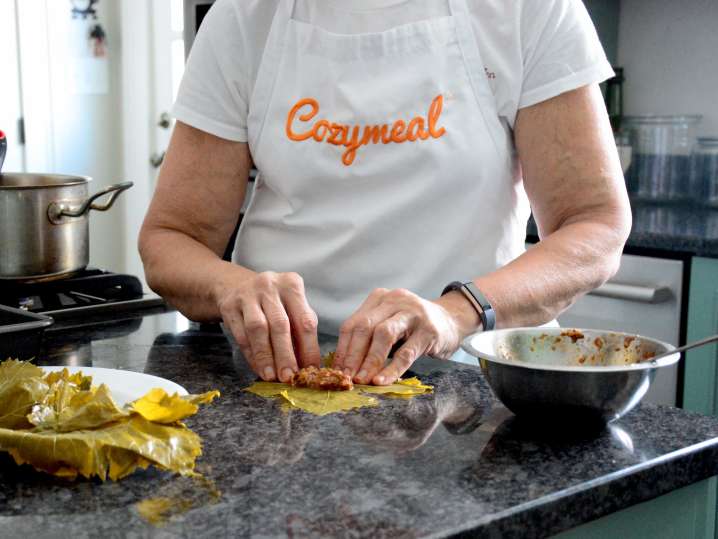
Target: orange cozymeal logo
{"points": [[301, 125]]}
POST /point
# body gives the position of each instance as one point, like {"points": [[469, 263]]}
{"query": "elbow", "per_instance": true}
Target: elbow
{"points": [[145, 243], [616, 236]]}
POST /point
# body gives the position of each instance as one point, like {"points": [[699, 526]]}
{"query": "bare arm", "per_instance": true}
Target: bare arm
{"points": [[194, 210], [574, 182], [193, 213]]}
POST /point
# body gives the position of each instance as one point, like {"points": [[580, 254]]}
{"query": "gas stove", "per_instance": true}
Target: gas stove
{"points": [[92, 292]]}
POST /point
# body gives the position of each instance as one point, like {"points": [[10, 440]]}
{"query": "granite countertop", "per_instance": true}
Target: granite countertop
{"points": [[450, 462], [677, 228]]}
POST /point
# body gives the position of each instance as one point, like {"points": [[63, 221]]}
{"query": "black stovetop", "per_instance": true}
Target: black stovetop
{"points": [[92, 291]]}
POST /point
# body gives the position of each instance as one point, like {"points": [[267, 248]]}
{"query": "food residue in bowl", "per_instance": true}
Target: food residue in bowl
{"points": [[573, 347], [573, 334]]}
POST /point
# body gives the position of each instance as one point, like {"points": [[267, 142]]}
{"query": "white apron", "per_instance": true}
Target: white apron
{"points": [[383, 162]]}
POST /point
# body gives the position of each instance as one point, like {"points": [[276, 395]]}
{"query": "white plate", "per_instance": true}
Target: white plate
{"points": [[125, 386]]}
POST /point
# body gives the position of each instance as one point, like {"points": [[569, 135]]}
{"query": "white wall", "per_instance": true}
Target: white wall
{"points": [[10, 104], [88, 128], [669, 50], [69, 130]]}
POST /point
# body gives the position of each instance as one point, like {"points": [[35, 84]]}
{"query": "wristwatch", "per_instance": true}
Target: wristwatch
{"points": [[477, 300]]}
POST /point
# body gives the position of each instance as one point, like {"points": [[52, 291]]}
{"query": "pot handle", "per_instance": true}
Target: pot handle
{"points": [[56, 211]]}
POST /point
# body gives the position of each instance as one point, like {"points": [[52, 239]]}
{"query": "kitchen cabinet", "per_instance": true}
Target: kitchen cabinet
{"points": [[686, 513], [701, 366]]}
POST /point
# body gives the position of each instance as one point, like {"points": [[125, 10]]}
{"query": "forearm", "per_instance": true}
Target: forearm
{"points": [[189, 275], [536, 287]]}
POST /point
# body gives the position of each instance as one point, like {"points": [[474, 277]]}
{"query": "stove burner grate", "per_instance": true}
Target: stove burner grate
{"points": [[89, 288]]}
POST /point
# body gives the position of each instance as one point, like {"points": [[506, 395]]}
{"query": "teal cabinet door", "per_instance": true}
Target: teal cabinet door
{"points": [[701, 365], [686, 513], [699, 390]]}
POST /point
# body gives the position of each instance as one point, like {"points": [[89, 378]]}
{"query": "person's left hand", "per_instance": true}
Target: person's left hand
{"points": [[386, 317]]}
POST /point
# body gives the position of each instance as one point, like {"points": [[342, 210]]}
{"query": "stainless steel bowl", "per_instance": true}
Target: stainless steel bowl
{"points": [[560, 375]]}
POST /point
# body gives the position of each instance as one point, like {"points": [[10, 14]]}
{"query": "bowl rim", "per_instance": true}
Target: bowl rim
{"points": [[468, 347]]}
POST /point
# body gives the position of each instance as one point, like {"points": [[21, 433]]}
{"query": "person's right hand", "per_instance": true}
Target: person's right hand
{"points": [[273, 324]]}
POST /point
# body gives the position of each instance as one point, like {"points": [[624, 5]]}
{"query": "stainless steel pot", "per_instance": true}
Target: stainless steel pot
{"points": [[44, 232]]}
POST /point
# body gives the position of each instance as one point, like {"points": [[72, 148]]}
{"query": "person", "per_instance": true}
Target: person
{"points": [[400, 146]]}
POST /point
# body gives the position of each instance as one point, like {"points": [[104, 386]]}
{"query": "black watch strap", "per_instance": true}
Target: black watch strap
{"points": [[477, 300]]}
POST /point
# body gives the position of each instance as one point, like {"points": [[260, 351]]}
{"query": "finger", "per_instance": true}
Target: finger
{"points": [[345, 332], [280, 336], [303, 322], [364, 325], [257, 329], [414, 347], [233, 320], [386, 334]]}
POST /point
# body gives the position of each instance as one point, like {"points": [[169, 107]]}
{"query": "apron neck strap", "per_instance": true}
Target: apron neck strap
{"points": [[472, 55]]}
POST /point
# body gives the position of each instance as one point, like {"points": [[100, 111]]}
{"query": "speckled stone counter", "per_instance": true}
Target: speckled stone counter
{"points": [[437, 465], [675, 228]]}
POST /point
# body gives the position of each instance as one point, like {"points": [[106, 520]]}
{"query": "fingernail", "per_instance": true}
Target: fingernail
{"points": [[362, 375], [379, 379], [287, 375], [269, 373]]}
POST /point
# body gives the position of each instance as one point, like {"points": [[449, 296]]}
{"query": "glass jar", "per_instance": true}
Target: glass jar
{"points": [[662, 146], [625, 150], [704, 171]]}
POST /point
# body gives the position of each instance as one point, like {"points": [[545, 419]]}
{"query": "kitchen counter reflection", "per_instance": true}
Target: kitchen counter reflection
{"points": [[451, 461]]}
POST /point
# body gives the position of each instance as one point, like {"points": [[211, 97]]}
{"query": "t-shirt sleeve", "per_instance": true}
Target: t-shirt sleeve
{"points": [[213, 93], [561, 50]]}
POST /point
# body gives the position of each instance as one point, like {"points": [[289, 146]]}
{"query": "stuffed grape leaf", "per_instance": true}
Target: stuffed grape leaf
{"points": [[319, 402]]}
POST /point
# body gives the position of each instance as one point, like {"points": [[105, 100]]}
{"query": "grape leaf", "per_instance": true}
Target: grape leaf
{"points": [[158, 406], [320, 402]]}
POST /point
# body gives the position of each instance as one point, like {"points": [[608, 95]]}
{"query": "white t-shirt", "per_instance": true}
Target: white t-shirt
{"points": [[533, 49]]}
